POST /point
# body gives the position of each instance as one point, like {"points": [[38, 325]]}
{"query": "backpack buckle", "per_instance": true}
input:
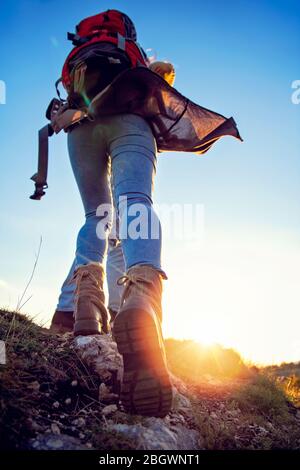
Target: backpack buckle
{"points": [[121, 42], [76, 39]]}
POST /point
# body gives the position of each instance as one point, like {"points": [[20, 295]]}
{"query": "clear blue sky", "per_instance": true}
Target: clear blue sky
{"points": [[238, 58]]}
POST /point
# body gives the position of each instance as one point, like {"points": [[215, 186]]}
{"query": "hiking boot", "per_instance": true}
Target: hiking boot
{"points": [[90, 313], [62, 322], [146, 387]]}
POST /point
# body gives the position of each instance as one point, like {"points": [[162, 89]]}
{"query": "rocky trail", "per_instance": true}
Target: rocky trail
{"points": [[58, 392]]}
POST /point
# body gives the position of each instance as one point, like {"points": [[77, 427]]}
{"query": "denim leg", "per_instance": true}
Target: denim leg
{"points": [[130, 142], [88, 156], [132, 149], [89, 160], [115, 268], [90, 166], [66, 298]]}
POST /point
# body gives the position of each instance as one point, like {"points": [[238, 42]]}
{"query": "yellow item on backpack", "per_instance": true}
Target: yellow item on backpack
{"points": [[165, 70]]}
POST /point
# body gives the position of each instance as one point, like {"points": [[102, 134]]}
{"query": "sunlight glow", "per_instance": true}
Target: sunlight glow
{"points": [[235, 293]]}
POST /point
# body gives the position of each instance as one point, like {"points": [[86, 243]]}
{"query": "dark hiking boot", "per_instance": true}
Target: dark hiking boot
{"points": [[62, 322], [90, 313], [146, 387]]}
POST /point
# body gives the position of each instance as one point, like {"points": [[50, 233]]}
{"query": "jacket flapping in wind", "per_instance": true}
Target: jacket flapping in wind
{"points": [[177, 123]]}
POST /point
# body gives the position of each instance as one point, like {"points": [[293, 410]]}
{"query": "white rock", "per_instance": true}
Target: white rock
{"points": [[104, 392], [79, 422], [100, 354], [55, 429], [107, 410]]}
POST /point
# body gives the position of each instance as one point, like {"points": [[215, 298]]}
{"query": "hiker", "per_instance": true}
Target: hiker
{"points": [[63, 318], [125, 143], [121, 110]]}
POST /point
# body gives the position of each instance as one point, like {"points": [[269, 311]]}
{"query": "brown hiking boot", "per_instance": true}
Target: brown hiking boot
{"points": [[146, 387], [90, 313], [62, 322]]}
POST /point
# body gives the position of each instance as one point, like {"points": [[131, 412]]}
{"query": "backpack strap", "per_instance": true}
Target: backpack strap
{"points": [[121, 42], [40, 178], [61, 117], [58, 81]]}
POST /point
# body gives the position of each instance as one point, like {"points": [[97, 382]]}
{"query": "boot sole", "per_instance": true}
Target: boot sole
{"points": [[86, 328], [146, 388]]}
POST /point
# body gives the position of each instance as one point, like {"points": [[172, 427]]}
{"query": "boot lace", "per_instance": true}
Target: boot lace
{"points": [[128, 280], [143, 285]]}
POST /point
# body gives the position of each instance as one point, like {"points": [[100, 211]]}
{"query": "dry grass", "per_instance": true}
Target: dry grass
{"points": [[42, 372], [235, 408]]}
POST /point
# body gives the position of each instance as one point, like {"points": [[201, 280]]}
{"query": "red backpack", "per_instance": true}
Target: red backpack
{"points": [[111, 27]]}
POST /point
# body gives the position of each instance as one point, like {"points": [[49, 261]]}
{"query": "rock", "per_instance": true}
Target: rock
{"points": [[174, 432], [101, 354], [79, 422], [90, 347], [108, 410], [55, 429], [154, 434], [54, 442], [104, 392], [181, 401], [262, 430], [105, 395]]}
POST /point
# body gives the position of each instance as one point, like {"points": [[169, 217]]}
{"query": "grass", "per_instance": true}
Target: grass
{"points": [[291, 387], [256, 415], [245, 410], [263, 396], [41, 371]]}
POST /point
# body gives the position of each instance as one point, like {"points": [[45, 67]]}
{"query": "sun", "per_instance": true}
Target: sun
{"points": [[203, 331]]}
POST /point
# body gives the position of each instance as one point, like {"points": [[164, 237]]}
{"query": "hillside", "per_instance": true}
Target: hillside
{"points": [[61, 393]]}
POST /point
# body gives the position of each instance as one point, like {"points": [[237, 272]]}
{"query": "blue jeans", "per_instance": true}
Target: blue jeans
{"points": [[114, 159]]}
